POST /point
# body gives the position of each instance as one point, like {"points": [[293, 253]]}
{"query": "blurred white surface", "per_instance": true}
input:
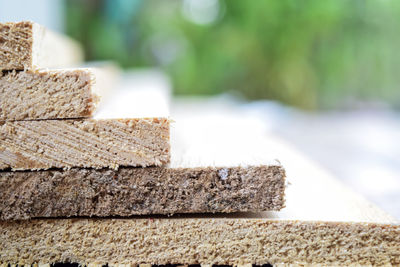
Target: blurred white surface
{"points": [[49, 13], [360, 147], [141, 93], [216, 132]]}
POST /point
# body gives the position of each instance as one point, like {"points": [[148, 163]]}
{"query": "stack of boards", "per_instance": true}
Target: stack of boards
{"points": [[78, 185]]}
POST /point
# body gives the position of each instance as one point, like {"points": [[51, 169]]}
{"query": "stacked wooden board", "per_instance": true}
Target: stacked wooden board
{"points": [[221, 179], [47, 115]]}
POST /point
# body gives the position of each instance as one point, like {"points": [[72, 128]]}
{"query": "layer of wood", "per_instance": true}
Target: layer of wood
{"points": [[27, 45], [140, 191], [95, 143], [205, 175], [125, 131], [198, 240], [48, 94]]}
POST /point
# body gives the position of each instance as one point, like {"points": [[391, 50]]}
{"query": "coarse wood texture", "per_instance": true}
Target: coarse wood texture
{"points": [[205, 175], [140, 191], [120, 134], [323, 223], [27, 45], [198, 240], [95, 143], [47, 94]]}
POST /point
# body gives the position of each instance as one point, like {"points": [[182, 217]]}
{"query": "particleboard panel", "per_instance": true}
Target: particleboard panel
{"points": [[27, 45]]}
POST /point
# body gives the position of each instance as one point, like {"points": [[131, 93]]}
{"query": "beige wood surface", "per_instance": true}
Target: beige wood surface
{"points": [[48, 94], [198, 241], [67, 93], [27, 45], [125, 131]]}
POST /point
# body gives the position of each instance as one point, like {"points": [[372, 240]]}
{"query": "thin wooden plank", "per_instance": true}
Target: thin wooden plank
{"points": [[52, 94], [27, 45], [113, 137]]}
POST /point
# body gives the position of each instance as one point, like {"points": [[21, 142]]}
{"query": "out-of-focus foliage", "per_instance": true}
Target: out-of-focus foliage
{"points": [[309, 53]]}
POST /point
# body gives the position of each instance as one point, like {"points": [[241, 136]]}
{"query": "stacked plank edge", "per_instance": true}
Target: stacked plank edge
{"points": [[58, 159], [198, 241], [140, 191], [47, 116], [27, 45], [90, 143]]}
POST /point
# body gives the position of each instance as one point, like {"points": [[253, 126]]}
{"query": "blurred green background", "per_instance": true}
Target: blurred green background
{"points": [[311, 54]]}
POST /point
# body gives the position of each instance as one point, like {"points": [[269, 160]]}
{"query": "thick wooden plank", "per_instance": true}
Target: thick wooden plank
{"points": [[27, 45], [199, 240], [110, 139], [140, 191], [323, 223]]}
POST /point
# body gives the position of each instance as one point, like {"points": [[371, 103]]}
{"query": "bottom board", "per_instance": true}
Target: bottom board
{"points": [[198, 241]]}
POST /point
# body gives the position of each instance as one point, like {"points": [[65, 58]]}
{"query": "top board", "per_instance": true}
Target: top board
{"points": [[27, 45]]}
